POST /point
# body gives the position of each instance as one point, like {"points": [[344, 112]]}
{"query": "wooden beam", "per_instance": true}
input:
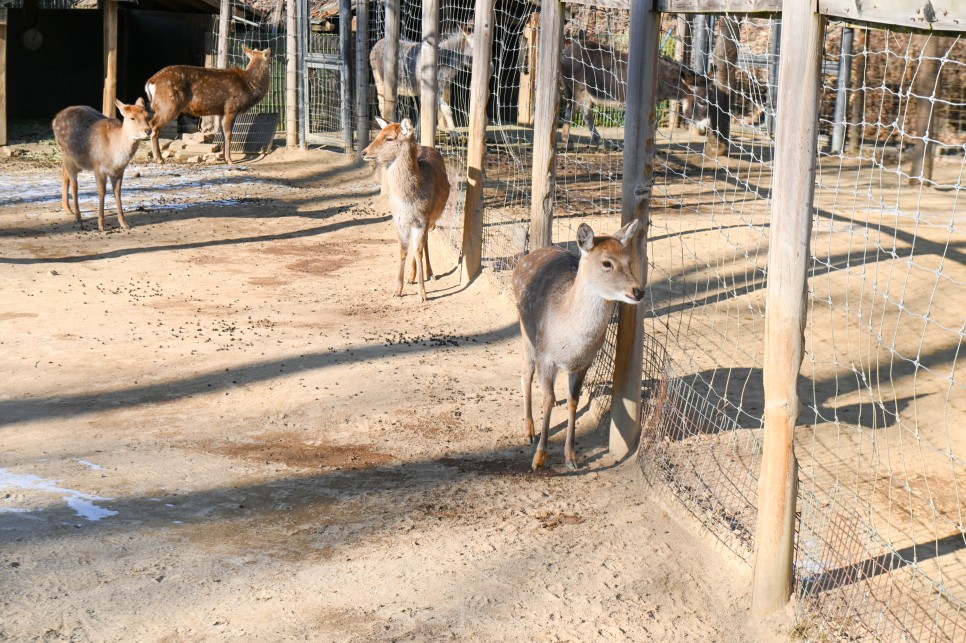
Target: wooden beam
{"points": [[291, 76], [935, 15], [547, 104], [3, 75], [110, 58], [223, 14], [362, 75], [636, 184], [390, 63], [841, 91], [793, 189], [718, 6], [528, 87], [476, 144], [428, 94], [345, 77], [924, 87]]}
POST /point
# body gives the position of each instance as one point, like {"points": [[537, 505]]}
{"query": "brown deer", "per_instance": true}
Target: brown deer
{"points": [[198, 91], [565, 303], [89, 140], [418, 190]]}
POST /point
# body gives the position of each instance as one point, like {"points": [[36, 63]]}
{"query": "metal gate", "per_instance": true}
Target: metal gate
{"points": [[328, 99]]}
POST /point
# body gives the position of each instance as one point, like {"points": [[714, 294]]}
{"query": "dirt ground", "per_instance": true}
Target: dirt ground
{"points": [[219, 425]]}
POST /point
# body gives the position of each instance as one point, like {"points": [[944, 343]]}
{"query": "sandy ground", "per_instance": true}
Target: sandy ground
{"points": [[220, 426]]}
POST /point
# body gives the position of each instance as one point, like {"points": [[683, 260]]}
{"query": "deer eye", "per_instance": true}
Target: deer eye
{"points": [[606, 265]]}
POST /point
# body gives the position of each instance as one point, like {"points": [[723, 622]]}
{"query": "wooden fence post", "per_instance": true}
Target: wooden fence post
{"points": [[855, 131], [547, 104], [476, 144], [302, 48], [639, 128], [291, 76], [3, 75], [793, 188], [362, 75], [528, 73], [110, 57], [345, 77], [841, 91], [923, 88], [427, 73], [390, 63], [224, 10]]}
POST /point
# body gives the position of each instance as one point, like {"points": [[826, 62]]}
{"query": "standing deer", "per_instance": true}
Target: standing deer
{"points": [[455, 53], [595, 74], [198, 91], [89, 140], [565, 303], [417, 188]]}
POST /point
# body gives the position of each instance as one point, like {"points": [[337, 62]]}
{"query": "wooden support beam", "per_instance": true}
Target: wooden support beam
{"points": [[390, 63], [841, 91], [718, 6], [476, 144], [549, 53], [525, 106], [223, 14], [859, 62], [793, 189], [935, 15], [345, 77], [362, 75], [428, 94], [110, 58], [924, 88], [291, 76], [638, 178], [3, 75]]}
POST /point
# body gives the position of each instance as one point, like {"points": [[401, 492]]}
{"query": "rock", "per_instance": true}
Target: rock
{"points": [[198, 137]]}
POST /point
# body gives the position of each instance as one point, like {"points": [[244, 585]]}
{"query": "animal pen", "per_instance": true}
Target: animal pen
{"points": [[793, 379]]}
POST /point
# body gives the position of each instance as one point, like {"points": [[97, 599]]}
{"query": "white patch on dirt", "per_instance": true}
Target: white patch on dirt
{"points": [[82, 503]]}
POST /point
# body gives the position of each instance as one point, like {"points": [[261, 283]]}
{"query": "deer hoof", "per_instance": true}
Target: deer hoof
{"points": [[572, 465], [539, 459]]}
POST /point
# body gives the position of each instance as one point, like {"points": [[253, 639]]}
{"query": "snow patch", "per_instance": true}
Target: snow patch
{"points": [[82, 503]]}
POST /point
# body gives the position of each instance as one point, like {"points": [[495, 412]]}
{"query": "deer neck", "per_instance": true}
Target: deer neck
{"points": [[256, 78], [586, 309], [405, 169], [121, 141]]}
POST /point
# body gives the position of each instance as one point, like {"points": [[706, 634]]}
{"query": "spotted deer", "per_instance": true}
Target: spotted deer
{"points": [[418, 190], [199, 91], [89, 140], [565, 303]]}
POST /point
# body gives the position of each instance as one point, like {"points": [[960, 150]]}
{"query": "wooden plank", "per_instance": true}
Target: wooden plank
{"points": [[547, 104], [428, 93], [291, 77], [638, 179], [528, 87], [476, 146], [718, 6], [934, 15], [3, 75], [362, 75], [796, 149], [345, 76], [109, 109], [390, 64]]}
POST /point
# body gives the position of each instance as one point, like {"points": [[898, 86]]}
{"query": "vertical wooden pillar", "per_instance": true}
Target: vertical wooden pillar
{"points": [[362, 75], [923, 89], [345, 78], [428, 92], [636, 185], [476, 144], [528, 88], [3, 75], [223, 15], [390, 64], [291, 75], [110, 57], [301, 49], [774, 51], [841, 91], [545, 123], [855, 132], [793, 188]]}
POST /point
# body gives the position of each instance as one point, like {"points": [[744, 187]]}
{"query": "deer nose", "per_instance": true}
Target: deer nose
{"points": [[637, 293]]}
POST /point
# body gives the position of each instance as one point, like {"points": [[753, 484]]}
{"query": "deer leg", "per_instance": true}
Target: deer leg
{"points": [[101, 192], [65, 193], [417, 242], [73, 189], [575, 383], [158, 121], [567, 117], [116, 184], [526, 382], [403, 252], [589, 119], [429, 268], [540, 457], [227, 121]]}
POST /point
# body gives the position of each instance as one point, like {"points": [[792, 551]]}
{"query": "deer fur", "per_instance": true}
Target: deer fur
{"points": [[454, 54], [594, 74], [89, 140], [418, 189], [565, 303], [199, 91]]}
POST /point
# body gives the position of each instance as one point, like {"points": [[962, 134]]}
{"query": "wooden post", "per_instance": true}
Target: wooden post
{"points": [[291, 76], [110, 58], [701, 31], [855, 132], [362, 75], [302, 67], [345, 78], [390, 62], [841, 91], [549, 54], [774, 53], [528, 74], [428, 94], [793, 188], [923, 88], [3, 75], [223, 11], [476, 145], [638, 177]]}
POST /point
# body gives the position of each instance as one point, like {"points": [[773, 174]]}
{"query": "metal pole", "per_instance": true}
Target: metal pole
{"points": [[841, 91]]}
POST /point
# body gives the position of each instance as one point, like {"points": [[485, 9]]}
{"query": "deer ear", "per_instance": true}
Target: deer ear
{"points": [[407, 127], [382, 124], [585, 238], [140, 102], [625, 234], [121, 106], [267, 52], [248, 52]]}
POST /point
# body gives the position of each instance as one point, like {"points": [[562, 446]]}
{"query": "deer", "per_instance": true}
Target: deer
{"points": [[594, 74], [454, 54], [89, 140], [565, 302], [199, 91], [418, 189]]}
